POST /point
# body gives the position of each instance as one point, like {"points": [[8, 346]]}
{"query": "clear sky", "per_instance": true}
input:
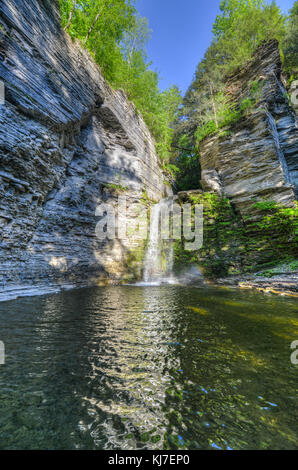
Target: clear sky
{"points": [[182, 31]]}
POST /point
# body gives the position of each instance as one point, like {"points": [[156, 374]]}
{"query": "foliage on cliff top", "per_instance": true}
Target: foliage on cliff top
{"points": [[240, 27], [290, 43], [116, 36]]}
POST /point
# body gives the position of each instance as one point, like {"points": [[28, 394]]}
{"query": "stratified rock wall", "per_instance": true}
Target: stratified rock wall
{"points": [[257, 158], [64, 135]]}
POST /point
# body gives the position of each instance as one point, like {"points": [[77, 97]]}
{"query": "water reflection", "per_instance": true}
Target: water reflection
{"points": [[154, 368]]}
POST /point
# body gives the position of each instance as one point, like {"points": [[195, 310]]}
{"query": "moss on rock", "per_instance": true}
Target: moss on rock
{"points": [[233, 246]]}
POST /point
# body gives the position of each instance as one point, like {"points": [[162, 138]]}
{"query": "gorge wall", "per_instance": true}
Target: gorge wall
{"points": [[256, 158], [68, 142], [249, 183]]}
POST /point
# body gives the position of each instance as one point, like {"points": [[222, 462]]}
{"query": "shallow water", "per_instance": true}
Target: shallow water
{"points": [[149, 368]]}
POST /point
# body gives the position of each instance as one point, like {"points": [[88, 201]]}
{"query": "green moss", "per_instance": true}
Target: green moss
{"points": [[233, 245], [146, 200], [225, 133], [294, 265], [116, 188], [230, 114], [134, 262], [246, 105], [256, 88]]}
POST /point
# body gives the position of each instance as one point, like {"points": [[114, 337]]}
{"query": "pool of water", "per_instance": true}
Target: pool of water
{"points": [[149, 368]]}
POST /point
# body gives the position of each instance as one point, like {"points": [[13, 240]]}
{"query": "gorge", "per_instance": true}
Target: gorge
{"points": [[69, 142], [136, 343]]}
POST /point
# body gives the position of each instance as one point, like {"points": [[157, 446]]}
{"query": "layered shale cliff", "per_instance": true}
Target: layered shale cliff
{"points": [[256, 158], [249, 182], [68, 142]]}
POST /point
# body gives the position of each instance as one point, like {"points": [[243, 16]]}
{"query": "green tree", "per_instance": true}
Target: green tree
{"points": [[240, 27], [71, 13], [290, 44], [117, 36], [135, 39], [243, 25]]}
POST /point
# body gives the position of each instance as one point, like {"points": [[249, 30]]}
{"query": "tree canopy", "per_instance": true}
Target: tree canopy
{"points": [[117, 37], [237, 31], [290, 43]]}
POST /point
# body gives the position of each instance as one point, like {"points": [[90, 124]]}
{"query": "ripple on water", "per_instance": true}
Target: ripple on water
{"points": [[162, 367]]}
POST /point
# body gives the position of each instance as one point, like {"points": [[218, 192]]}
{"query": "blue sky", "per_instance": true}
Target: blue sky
{"points": [[182, 31]]}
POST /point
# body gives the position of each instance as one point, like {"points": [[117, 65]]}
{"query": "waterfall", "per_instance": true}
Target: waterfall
{"points": [[280, 153], [159, 259], [279, 84], [158, 266]]}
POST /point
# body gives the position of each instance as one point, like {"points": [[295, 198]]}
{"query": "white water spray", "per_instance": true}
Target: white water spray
{"points": [[279, 151], [159, 259]]}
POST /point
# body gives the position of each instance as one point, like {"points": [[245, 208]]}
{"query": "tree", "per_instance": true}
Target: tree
{"points": [[70, 15], [290, 44], [117, 36], [98, 15], [243, 25], [135, 39]]}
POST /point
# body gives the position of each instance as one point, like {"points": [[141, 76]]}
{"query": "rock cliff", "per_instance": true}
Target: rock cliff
{"points": [[252, 160], [67, 143], [256, 159]]}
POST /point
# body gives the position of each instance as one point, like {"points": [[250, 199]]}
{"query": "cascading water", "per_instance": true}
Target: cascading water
{"points": [[279, 84], [159, 260], [280, 153]]}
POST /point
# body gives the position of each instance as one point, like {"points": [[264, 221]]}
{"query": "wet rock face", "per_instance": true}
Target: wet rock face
{"points": [[64, 135], [257, 159]]}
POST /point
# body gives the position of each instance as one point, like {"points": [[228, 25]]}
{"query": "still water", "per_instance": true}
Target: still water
{"points": [[149, 368]]}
